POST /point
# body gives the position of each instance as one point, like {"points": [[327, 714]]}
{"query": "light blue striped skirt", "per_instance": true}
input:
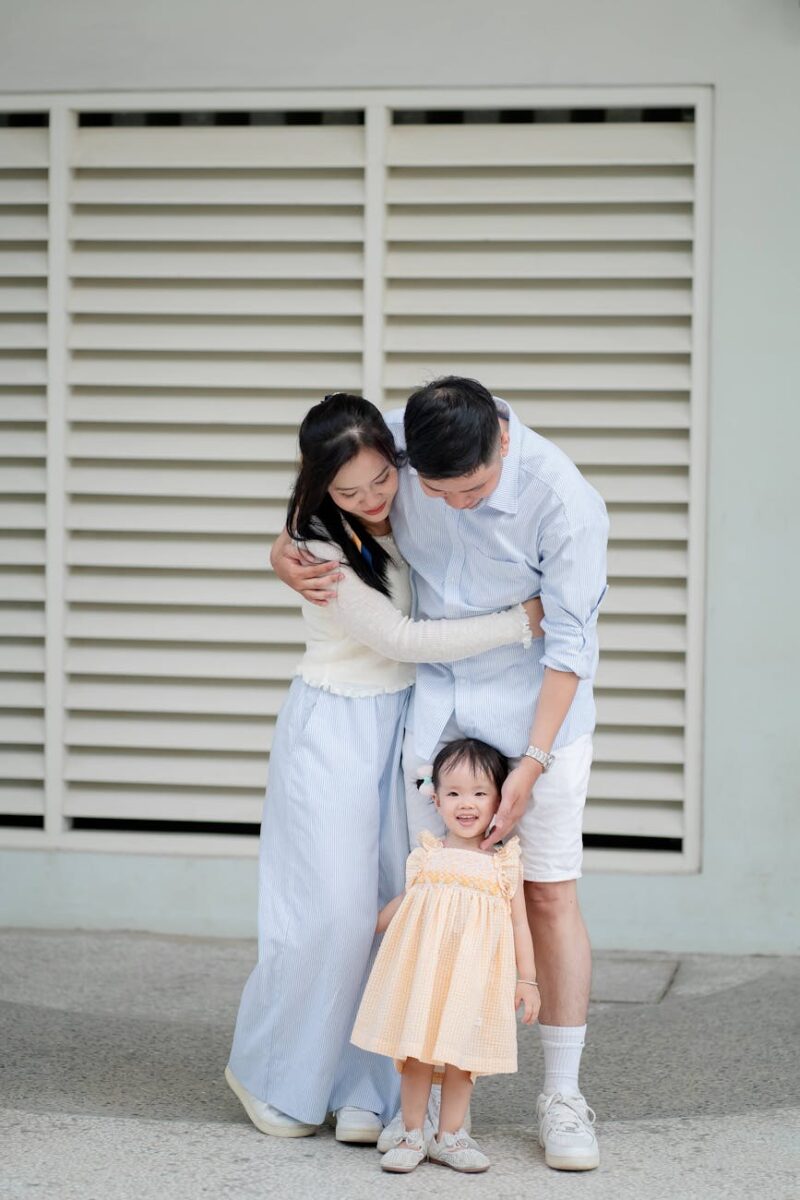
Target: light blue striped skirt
{"points": [[333, 849]]}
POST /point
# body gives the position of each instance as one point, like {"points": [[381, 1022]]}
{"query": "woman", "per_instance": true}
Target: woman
{"points": [[333, 836]]}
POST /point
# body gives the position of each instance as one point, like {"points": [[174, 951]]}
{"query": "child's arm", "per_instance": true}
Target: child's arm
{"points": [[387, 912], [525, 994]]}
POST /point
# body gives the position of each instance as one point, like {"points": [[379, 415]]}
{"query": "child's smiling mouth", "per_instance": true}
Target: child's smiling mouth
{"points": [[467, 819]]}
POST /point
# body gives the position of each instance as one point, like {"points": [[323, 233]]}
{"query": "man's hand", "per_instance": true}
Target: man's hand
{"points": [[314, 580], [514, 799]]}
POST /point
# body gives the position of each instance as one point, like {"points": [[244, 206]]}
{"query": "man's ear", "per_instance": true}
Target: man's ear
{"points": [[505, 440]]}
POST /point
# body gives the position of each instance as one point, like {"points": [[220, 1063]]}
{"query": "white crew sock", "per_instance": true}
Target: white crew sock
{"points": [[562, 1046]]}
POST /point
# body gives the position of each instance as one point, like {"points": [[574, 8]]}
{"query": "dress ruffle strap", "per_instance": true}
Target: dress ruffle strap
{"points": [[415, 863], [508, 861], [429, 841]]}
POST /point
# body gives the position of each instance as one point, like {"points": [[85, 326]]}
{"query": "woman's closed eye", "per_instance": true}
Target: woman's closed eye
{"points": [[351, 493]]}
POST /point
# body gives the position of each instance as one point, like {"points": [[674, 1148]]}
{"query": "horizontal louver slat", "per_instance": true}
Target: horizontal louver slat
{"points": [[476, 146]]}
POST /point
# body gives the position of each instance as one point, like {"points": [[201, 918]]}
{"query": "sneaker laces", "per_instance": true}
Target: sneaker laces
{"points": [[577, 1116]]}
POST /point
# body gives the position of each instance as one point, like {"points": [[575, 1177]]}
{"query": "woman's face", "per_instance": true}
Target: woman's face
{"points": [[366, 487]]}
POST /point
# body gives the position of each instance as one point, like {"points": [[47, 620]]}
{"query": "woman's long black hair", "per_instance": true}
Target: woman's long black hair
{"points": [[332, 433]]}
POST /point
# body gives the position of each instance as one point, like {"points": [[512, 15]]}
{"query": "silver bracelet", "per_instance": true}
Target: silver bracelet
{"points": [[532, 982]]}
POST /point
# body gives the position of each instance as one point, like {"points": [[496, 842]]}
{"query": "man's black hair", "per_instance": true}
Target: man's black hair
{"points": [[451, 428], [478, 755]]}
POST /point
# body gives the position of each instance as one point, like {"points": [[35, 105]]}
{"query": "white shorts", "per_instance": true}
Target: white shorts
{"points": [[550, 832]]}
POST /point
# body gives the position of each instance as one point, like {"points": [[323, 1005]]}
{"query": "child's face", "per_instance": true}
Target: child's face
{"points": [[466, 800]]}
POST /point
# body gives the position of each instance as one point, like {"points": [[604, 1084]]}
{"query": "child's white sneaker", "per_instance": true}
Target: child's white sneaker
{"points": [[566, 1134], [431, 1124], [459, 1151], [388, 1138], [408, 1151]]}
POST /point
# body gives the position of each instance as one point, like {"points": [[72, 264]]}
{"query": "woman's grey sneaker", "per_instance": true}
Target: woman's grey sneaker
{"points": [[357, 1125], [459, 1151], [266, 1118], [566, 1134], [408, 1151]]}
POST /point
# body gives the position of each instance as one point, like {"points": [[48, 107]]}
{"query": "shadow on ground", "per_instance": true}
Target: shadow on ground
{"points": [[133, 1027]]}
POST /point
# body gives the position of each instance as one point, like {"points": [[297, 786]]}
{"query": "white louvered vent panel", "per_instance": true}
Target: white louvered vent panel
{"points": [[554, 263], [216, 293], [23, 450]]}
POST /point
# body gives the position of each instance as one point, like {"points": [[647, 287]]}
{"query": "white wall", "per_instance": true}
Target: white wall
{"points": [[750, 52]]}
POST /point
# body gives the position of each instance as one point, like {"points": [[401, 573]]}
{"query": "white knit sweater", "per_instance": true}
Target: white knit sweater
{"points": [[363, 643]]}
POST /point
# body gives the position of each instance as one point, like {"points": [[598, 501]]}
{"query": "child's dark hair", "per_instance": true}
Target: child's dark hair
{"points": [[451, 428], [332, 433], [478, 755]]}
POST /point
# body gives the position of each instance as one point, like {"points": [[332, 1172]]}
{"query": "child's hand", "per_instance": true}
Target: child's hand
{"points": [[528, 996]]}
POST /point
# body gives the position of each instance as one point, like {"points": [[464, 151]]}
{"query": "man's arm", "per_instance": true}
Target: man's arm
{"points": [[558, 692], [299, 570], [573, 563]]}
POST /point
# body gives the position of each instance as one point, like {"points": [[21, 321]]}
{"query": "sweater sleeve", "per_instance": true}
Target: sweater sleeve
{"points": [[369, 617]]}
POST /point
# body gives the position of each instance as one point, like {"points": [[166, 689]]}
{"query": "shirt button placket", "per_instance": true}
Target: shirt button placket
{"points": [[453, 589]]}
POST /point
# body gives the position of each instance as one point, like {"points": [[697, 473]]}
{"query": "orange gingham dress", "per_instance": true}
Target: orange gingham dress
{"points": [[442, 986]]}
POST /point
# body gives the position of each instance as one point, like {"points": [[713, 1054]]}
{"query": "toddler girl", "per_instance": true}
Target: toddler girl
{"points": [[455, 964]]}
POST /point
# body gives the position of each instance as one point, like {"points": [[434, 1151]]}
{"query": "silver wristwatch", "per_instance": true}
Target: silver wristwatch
{"points": [[541, 756]]}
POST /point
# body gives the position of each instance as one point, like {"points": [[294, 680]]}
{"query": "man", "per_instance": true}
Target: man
{"points": [[487, 514]]}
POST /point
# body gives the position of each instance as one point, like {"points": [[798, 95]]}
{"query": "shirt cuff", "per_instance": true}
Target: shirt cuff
{"points": [[571, 650]]}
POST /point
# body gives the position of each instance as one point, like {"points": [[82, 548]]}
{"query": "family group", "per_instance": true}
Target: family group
{"points": [[421, 838]]}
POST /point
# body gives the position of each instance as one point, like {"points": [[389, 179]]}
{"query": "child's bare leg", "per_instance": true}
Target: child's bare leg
{"points": [[456, 1093], [415, 1088]]}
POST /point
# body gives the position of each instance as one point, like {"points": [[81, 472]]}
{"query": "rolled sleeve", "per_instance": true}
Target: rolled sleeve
{"points": [[572, 555]]}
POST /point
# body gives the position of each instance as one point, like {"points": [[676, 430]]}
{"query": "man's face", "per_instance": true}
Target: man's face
{"points": [[466, 491]]}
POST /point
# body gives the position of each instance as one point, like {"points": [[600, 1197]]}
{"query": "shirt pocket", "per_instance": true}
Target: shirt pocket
{"points": [[492, 583]]}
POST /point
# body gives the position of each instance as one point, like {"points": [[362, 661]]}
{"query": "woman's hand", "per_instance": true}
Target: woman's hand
{"points": [[528, 996], [294, 566], [535, 610]]}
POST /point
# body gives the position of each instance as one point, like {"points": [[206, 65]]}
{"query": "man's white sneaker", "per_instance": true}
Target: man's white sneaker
{"points": [[407, 1152], [459, 1151], [266, 1118], [357, 1125], [566, 1134]]}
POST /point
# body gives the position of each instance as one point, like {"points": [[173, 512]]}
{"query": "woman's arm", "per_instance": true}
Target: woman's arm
{"points": [[370, 617], [526, 994], [387, 912]]}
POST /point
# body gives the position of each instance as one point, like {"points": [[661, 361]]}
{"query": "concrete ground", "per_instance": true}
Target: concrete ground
{"points": [[112, 1048]]}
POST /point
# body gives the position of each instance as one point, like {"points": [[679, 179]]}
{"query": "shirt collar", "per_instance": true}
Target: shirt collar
{"points": [[505, 497]]}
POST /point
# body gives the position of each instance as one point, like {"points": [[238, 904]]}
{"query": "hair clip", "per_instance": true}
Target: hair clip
{"points": [[425, 779], [363, 550]]}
